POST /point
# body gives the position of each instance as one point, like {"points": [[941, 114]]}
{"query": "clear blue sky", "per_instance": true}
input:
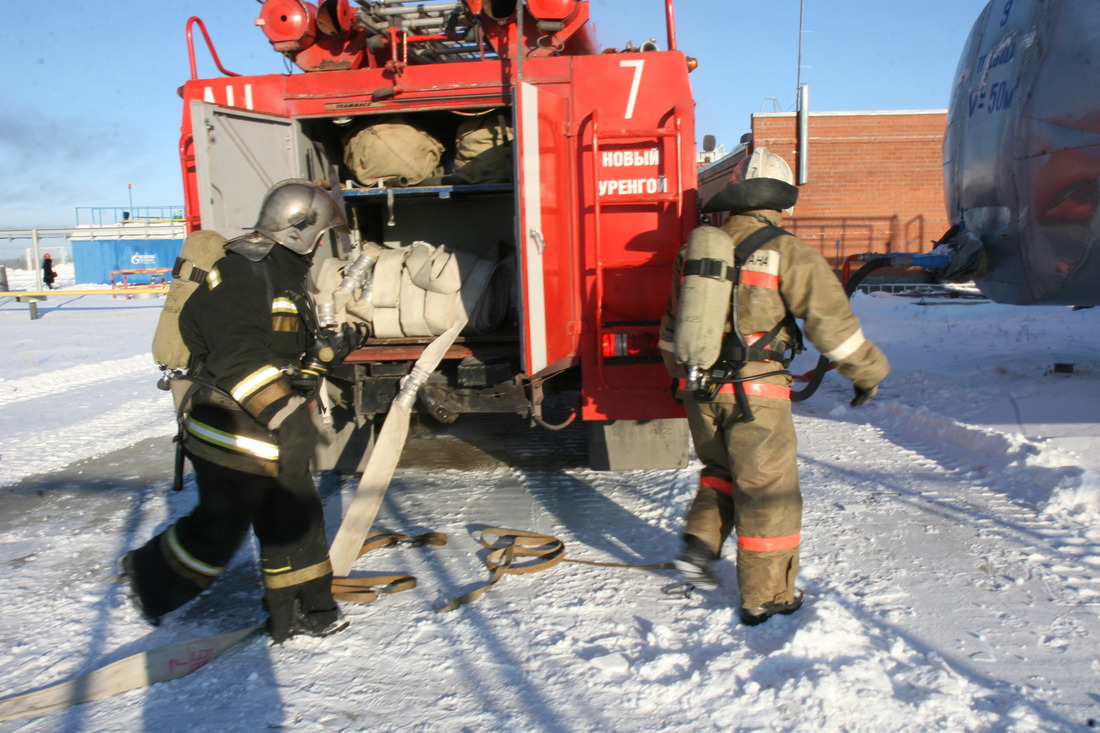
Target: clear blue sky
{"points": [[90, 102]]}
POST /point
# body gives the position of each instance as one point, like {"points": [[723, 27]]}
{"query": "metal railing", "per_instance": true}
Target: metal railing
{"points": [[60, 243], [123, 215], [36, 236]]}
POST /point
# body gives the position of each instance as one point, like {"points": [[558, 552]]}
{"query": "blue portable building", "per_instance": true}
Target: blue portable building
{"points": [[95, 260], [102, 250]]}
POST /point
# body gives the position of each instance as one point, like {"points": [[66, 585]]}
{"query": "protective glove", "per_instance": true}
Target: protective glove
{"points": [[305, 383], [863, 395]]}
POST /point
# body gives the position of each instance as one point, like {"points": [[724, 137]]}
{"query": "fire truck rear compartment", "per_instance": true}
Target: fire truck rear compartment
{"points": [[482, 371]]}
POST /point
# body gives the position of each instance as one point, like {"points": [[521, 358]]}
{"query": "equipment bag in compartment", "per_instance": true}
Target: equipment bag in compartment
{"points": [[393, 150], [483, 149]]}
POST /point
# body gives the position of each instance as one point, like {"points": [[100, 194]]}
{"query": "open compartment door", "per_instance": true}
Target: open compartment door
{"points": [[549, 261], [239, 156]]}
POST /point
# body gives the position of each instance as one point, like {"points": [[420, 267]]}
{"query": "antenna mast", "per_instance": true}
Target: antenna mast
{"points": [[801, 15]]}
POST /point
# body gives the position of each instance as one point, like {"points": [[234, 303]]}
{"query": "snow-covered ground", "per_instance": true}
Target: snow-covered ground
{"points": [[951, 556]]}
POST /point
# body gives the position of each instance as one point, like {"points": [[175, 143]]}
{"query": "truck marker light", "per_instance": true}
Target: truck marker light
{"points": [[629, 344]]}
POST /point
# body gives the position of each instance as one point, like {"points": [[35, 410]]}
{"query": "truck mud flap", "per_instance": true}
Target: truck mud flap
{"points": [[624, 445]]}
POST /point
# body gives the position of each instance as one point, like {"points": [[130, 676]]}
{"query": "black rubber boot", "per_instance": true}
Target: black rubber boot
{"points": [[289, 617], [760, 614], [155, 590], [696, 563]]}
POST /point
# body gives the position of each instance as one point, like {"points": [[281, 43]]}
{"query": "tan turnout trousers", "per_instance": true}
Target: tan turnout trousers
{"points": [[749, 487]]}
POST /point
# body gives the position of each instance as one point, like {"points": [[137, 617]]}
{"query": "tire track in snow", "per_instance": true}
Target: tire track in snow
{"points": [[57, 381], [965, 569], [1013, 476], [1010, 462], [38, 451]]}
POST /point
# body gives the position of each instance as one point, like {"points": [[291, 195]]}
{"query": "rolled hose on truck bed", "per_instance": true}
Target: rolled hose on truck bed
{"points": [[818, 373]]}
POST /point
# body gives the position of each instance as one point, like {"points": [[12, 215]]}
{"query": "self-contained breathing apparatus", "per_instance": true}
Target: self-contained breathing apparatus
{"points": [[714, 358], [330, 347], [712, 273]]}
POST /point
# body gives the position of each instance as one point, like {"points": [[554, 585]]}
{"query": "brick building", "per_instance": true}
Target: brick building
{"points": [[875, 179]]}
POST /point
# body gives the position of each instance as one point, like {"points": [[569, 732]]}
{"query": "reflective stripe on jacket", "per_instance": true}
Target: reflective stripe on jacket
{"points": [[245, 327], [786, 275]]}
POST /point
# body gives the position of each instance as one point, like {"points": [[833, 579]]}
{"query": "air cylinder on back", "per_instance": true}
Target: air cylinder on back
{"points": [[704, 298]]}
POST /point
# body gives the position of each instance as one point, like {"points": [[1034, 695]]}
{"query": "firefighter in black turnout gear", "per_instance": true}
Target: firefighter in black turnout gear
{"points": [[247, 427]]}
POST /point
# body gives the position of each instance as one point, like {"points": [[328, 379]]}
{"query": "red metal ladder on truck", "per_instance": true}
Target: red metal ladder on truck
{"points": [[673, 195]]}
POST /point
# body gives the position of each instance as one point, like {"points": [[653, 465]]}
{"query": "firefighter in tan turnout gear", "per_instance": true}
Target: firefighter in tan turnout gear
{"points": [[247, 427], [726, 337]]}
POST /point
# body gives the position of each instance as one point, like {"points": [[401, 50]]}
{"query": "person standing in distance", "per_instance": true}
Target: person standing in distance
{"points": [[48, 274], [247, 428], [739, 408]]}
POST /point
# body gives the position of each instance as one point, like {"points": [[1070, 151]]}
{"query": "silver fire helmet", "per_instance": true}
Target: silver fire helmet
{"points": [[295, 213], [763, 180], [763, 163]]}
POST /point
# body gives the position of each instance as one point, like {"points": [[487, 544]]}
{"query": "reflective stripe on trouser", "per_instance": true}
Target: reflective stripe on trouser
{"points": [[183, 563], [285, 513], [288, 520], [287, 577], [758, 459], [230, 438]]}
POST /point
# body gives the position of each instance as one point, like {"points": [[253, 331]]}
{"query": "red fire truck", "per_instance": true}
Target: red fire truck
{"points": [[600, 196]]}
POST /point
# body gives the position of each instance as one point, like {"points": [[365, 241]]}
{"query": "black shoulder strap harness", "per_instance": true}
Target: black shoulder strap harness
{"points": [[736, 352]]}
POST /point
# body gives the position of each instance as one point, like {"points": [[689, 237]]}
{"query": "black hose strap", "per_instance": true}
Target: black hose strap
{"points": [[823, 362]]}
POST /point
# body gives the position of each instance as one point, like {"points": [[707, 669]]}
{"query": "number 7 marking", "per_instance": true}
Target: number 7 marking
{"points": [[633, 85]]}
